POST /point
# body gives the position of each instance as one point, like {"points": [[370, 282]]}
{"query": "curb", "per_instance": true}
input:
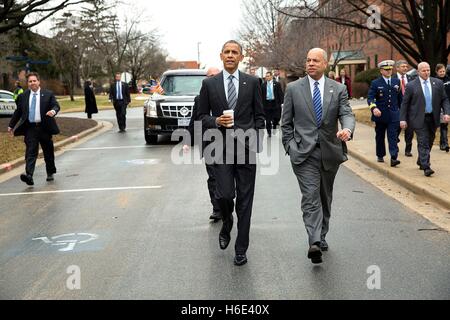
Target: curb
{"points": [[445, 202], [5, 167]]}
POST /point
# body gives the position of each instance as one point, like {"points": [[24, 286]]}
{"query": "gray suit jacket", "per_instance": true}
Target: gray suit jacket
{"points": [[299, 128], [413, 105]]}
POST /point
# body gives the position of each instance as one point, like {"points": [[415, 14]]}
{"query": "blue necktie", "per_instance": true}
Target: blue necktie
{"points": [[119, 91], [428, 105], [32, 113], [317, 101], [269, 91], [232, 95]]}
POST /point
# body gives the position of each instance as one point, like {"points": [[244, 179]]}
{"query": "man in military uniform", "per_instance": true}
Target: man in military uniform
{"points": [[384, 100]]}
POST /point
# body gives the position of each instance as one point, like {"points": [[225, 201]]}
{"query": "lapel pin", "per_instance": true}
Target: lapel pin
{"points": [[331, 91]]}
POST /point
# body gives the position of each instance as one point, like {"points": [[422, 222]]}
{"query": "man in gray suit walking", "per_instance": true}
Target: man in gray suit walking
{"points": [[421, 107], [312, 107]]}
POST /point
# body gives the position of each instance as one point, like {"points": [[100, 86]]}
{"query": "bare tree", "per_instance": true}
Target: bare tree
{"points": [[418, 29], [13, 12]]}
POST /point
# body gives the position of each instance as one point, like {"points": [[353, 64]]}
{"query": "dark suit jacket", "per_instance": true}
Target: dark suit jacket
{"points": [[20, 117], [125, 93], [194, 117], [248, 113], [277, 92], [413, 106]]}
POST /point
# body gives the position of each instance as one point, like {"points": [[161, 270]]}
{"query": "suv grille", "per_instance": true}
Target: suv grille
{"points": [[176, 110]]}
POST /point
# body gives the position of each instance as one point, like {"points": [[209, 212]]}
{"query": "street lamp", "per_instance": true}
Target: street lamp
{"points": [[198, 54]]}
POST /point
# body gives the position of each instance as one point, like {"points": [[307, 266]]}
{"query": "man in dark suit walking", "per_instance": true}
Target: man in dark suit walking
{"points": [[313, 106], [422, 104], [216, 215], [232, 91], [119, 94], [402, 68], [272, 101], [34, 117]]}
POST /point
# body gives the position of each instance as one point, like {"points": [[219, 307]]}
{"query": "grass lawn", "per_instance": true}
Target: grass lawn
{"points": [[137, 100]]}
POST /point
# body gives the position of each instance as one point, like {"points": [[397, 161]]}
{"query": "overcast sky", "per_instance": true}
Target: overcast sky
{"points": [[183, 24]]}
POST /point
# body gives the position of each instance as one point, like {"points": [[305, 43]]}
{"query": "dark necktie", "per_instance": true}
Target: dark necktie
{"points": [[232, 95], [317, 101]]}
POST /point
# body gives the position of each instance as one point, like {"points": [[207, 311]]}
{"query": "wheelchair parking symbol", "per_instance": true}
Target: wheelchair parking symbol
{"points": [[69, 240]]}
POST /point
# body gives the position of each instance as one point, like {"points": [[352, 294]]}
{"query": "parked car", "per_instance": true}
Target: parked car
{"points": [[7, 103], [172, 110]]}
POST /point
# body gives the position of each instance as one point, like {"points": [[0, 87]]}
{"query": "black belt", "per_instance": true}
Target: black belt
{"points": [[317, 144], [35, 124], [428, 114]]}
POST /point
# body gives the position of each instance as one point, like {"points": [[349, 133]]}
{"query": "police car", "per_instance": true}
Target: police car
{"points": [[7, 103]]}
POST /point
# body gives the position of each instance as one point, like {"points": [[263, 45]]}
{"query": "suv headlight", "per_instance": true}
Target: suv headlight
{"points": [[151, 108]]}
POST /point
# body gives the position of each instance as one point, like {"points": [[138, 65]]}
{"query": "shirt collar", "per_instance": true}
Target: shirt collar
{"points": [[226, 75], [38, 92], [312, 81], [387, 79]]}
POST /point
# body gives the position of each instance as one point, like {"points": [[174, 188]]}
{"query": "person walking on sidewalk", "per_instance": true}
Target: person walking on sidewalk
{"points": [[424, 99], [313, 107], [89, 99], [119, 94], [441, 75], [272, 95], [384, 99], [402, 68], [35, 119]]}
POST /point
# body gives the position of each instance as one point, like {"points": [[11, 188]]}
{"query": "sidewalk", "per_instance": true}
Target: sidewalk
{"points": [[436, 188]]}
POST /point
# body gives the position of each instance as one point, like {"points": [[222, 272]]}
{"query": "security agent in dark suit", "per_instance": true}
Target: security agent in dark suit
{"points": [[34, 117], [216, 215], [119, 94], [233, 90], [422, 104], [384, 101], [402, 68], [272, 100]]}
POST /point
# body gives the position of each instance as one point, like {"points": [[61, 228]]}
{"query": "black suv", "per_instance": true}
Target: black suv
{"points": [[172, 110]]}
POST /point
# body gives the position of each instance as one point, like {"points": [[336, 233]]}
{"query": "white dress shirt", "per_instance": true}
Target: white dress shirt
{"points": [[405, 78], [321, 86], [235, 82], [37, 114], [388, 79]]}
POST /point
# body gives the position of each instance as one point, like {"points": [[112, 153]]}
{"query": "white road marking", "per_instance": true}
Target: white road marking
{"points": [[79, 190], [110, 148]]}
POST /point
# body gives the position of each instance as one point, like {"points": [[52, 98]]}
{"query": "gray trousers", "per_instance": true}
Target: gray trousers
{"points": [[316, 186]]}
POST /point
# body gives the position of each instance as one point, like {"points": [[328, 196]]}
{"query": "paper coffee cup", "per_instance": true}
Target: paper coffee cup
{"points": [[229, 113]]}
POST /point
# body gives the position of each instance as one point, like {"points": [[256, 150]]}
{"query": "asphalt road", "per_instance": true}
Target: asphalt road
{"points": [[133, 225]]}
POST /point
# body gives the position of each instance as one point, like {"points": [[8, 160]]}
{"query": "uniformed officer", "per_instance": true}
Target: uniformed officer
{"points": [[384, 100]]}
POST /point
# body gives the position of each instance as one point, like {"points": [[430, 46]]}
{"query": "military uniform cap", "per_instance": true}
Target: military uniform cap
{"points": [[386, 64]]}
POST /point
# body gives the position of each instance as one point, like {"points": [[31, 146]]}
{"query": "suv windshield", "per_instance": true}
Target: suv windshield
{"points": [[179, 85]]}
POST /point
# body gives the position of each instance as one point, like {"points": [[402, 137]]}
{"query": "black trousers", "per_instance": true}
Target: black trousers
{"points": [[392, 135], [121, 113], [212, 187], [236, 181], [271, 115], [409, 136], [425, 140], [444, 136], [34, 136]]}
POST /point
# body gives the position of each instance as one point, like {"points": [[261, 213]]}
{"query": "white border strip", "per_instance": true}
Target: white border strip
{"points": [[78, 190]]}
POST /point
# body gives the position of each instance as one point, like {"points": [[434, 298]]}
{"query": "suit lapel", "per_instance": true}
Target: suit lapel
{"points": [[221, 90], [327, 95], [306, 93], [242, 89], [26, 101], [41, 105]]}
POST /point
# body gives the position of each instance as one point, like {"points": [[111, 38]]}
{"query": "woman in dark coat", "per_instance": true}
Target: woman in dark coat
{"points": [[441, 75], [89, 98]]}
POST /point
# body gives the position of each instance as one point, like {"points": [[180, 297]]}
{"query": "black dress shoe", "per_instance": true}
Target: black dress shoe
{"points": [[224, 235], [379, 159], [447, 149], [240, 259], [315, 254], [394, 162], [428, 172], [408, 154], [27, 179], [50, 177], [216, 216], [323, 245]]}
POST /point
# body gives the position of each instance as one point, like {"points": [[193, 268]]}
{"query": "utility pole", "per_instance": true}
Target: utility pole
{"points": [[198, 54]]}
